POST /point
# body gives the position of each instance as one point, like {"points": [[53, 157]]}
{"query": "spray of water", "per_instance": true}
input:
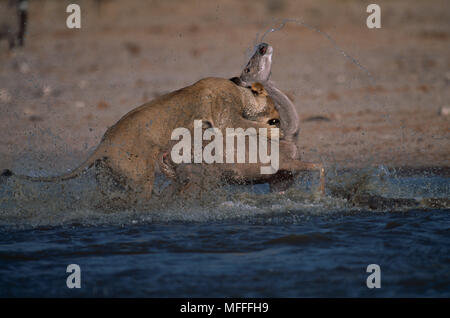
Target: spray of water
{"points": [[280, 25]]}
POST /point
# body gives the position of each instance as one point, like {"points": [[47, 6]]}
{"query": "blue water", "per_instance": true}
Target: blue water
{"points": [[250, 244]]}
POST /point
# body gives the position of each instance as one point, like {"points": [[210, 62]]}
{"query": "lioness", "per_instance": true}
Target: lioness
{"points": [[132, 148]]}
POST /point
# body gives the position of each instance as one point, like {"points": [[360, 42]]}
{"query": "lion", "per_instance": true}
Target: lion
{"points": [[132, 149]]}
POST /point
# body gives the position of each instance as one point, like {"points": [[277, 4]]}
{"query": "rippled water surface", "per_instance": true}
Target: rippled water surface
{"points": [[242, 241]]}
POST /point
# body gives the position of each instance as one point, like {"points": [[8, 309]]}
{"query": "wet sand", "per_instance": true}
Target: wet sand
{"points": [[61, 92]]}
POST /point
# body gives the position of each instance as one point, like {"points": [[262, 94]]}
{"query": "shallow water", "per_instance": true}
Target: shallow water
{"points": [[240, 242]]}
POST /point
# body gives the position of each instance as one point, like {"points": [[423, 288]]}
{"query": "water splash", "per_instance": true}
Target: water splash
{"points": [[78, 202], [353, 60]]}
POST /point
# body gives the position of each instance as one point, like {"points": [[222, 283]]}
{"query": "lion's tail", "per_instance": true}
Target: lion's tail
{"points": [[70, 175]]}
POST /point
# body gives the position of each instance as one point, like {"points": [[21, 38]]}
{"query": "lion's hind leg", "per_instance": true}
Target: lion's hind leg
{"points": [[113, 187], [107, 179], [140, 172]]}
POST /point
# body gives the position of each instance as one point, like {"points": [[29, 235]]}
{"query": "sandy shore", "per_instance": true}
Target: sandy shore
{"points": [[61, 91]]}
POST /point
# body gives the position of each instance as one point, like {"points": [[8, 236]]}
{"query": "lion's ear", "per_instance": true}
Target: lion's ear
{"points": [[258, 89]]}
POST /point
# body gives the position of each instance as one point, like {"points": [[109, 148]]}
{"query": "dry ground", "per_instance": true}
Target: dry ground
{"points": [[60, 93]]}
